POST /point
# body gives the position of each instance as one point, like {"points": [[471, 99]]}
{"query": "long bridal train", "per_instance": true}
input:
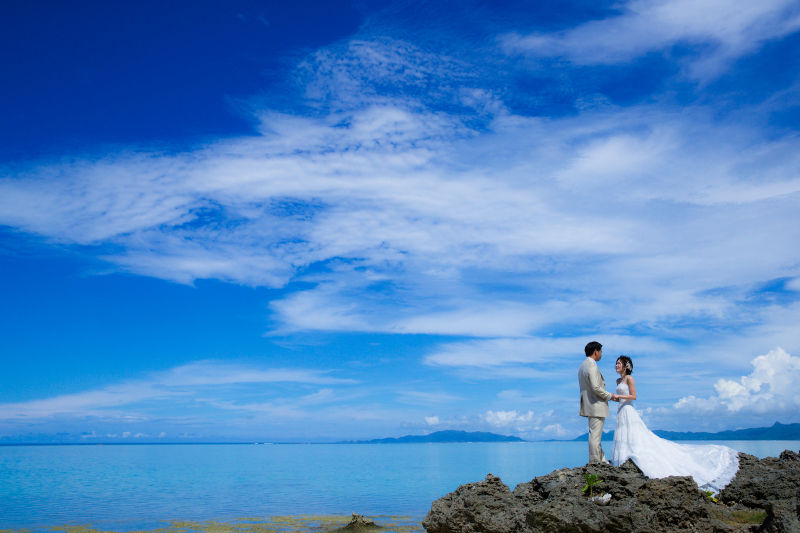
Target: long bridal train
{"points": [[712, 466]]}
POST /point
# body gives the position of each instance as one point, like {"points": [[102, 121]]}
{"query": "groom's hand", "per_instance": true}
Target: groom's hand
{"points": [[614, 398]]}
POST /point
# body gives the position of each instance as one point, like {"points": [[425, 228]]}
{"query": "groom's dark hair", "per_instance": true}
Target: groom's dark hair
{"points": [[592, 347]]}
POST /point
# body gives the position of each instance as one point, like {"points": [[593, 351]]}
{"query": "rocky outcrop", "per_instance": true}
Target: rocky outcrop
{"points": [[359, 524], [772, 484], [762, 498]]}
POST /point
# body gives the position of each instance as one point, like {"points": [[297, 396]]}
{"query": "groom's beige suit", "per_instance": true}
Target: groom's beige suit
{"points": [[594, 405]]}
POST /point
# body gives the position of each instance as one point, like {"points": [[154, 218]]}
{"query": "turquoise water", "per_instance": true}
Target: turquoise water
{"points": [[55, 485]]}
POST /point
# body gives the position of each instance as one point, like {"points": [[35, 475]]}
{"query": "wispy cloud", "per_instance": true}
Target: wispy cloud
{"points": [[718, 33], [118, 401], [427, 398], [546, 352], [426, 221], [424, 205]]}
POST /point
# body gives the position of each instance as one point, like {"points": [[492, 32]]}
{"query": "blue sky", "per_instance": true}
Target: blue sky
{"points": [[229, 221]]}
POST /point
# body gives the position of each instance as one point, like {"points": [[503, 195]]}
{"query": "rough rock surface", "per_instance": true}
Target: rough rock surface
{"points": [[772, 484], [555, 503], [359, 523]]}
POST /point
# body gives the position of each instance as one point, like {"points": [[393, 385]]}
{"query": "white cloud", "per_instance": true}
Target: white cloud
{"points": [[427, 398], [722, 31], [506, 418], [506, 421], [613, 220], [550, 351], [402, 194], [322, 309], [439, 217], [518, 395], [432, 420], [321, 396], [363, 71], [769, 390], [793, 284], [162, 387], [554, 431]]}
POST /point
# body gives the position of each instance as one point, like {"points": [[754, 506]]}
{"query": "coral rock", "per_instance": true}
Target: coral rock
{"points": [[555, 503]]}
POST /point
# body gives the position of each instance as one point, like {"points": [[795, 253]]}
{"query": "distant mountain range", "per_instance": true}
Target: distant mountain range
{"points": [[776, 432], [442, 436]]}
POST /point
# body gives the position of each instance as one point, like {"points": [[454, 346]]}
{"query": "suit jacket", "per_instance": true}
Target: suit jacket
{"points": [[594, 397]]}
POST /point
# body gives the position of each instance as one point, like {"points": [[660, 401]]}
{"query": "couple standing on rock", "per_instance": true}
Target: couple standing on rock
{"points": [[711, 466]]}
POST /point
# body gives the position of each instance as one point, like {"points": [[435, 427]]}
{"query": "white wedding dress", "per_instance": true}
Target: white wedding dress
{"points": [[712, 466]]}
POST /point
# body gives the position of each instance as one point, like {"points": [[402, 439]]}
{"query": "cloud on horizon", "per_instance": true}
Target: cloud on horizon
{"points": [[770, 390], [186, 381], [210, 399]]}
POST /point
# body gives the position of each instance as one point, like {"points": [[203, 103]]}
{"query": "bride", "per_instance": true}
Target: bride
{"points": [[712, 466]]}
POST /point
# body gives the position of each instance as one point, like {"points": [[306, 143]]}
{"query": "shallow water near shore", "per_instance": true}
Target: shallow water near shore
{"points": [[154, 487], [273, 524]]}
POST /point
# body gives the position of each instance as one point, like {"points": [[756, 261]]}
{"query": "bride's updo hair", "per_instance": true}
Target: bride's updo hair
{"points": [[627, 362]]}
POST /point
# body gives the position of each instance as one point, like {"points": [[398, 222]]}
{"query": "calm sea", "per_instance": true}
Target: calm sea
{"points": [[44, 486]]}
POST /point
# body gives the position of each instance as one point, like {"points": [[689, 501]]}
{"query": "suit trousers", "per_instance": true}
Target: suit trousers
{"points": [[596, 454]]}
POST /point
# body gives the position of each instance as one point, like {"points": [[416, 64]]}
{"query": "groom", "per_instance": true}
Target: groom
{"points": [[594, 399]]}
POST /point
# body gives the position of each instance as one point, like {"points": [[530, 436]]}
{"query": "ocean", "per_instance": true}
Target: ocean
{"points": [[122, 488]]}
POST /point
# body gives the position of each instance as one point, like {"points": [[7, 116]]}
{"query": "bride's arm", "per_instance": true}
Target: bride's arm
{"points": [[632, 387]]}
